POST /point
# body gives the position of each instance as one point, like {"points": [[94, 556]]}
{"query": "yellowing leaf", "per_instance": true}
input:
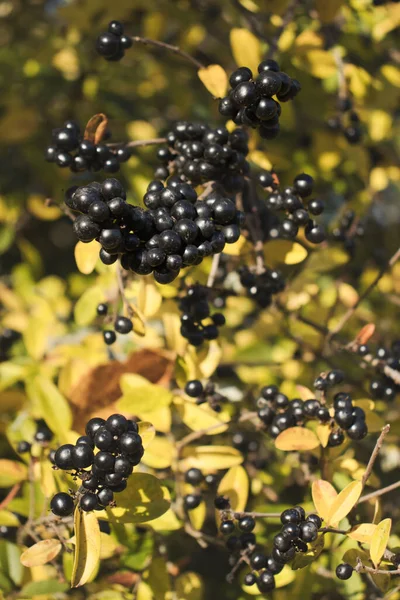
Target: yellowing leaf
{"points": [[297, 438], [323, 495], [210, 458], [379, 125], [85, 309], [246, 48], [362, 533], [49, 402], [189, 586], [201, 417], [379, 540], [149, 298], [86, 256], [144, 499], [160, 453], [12, 472], [321, 63], [140, 396], [41, 553], [167, 522], [38, 207], [214, 79], [147, 432], [235, 485], [8, 518], [286, 576], [198, 515], [392, 74], [210, 362], [323, 432], [87, 547], [284, 252], [237, 248], [344, 502]]}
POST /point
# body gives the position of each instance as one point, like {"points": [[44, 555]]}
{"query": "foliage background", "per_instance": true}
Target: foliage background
{"points": [[49, 72]]}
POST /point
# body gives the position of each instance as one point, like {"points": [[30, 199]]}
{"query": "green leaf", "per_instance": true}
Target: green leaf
{"points": [[140, 551], [38, 588], [143, 499], [49, 403], [189, 586], [87, 547], [85, 309]]}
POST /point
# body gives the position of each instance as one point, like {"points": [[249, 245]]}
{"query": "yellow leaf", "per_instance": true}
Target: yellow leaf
{"points": [[261, 159], [198, 515], [87, 547], [160, 454], [214, 79], [140, 396], [49, 402], [323, 433], [379, 540], [167, 522], [147, 432], [392, 74], [246, 48], [236, 249], [189, 586], [379, 125], [323, 495], [12, 472], [144, 499], [210, 362], [86, 256], [235, 485], [41, 553], [201, 417], [297, 438], [362, 533], [8, 518], [284, 252], [85, 309], [378, 179], [286, 576], [321, 63], [308, 39], [38, 207], [149, 298], [210, 458], [304, 392], [144, 591], [344, 502]]}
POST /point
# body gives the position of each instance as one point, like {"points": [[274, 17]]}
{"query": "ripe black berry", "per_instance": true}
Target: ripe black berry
{"points": [[221, 502], [344, 571], [227, 527], [88, 502], [192, 501], [62, 505], [247, 524], [82, 456], [194, 476]]}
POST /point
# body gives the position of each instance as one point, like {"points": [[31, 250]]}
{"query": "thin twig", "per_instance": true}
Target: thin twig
{"points": [[286, 19], [165, 46], [362, 297], [214, 270], [374, 455], [139, 143], [255, 515], [10, 496], [380, 492], [340, 69]]}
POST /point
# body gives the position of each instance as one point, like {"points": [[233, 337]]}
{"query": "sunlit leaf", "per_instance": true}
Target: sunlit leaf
{"points": [[87, 547], [86, 256], [12, 472], [41, 553], [147, 432], [246, 48], [198, 515], [379, 540], [85, 310], [140, 396], [215, 79], [297, 438], [189, 586], [284, 252], [201, 417], [210, 458], [235, 485], [362, 533], [323, 495], [160, 454], [47, 401], [344, 502]]}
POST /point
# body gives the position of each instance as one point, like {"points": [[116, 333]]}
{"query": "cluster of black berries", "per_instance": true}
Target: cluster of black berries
{"points": [[197, 322], [208, 393], [250, 101], [291, 201], [112, 44], [199, 481], [278, 413], [382, 386], [262, 287], [200, 154], [174, 231], [245, 443], [348, 230], [69, 149], [122, 324], [346, 121], [103, 473], [43, 435], [7, 339]]}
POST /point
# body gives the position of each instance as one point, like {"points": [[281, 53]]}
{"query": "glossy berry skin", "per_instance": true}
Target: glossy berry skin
{"points": [[227, 527], [315, 519], [336, 438], [103, 439], [107, 45], [105, 496], [258, 561], [315, 233], [344, 418], [344, 571], [239, 76], [104, 461], [63, 457], [266, 582], [292, 530], [269, 392], [274, 566], [308, 532], [62, 505], [102, 309], [109, 337], [250, 579], [266, 415], [82, 456], [23, 447], [122, 466], [194, 476], [116, 28], [194, 388], [221, 503], [282, 542], [358, 430], [244, 93], [93, 425], [290, 515], [116, 424], [303, 184], [130, 442], [88, 502], [192, 501], [246, 524], [335, 377]]}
